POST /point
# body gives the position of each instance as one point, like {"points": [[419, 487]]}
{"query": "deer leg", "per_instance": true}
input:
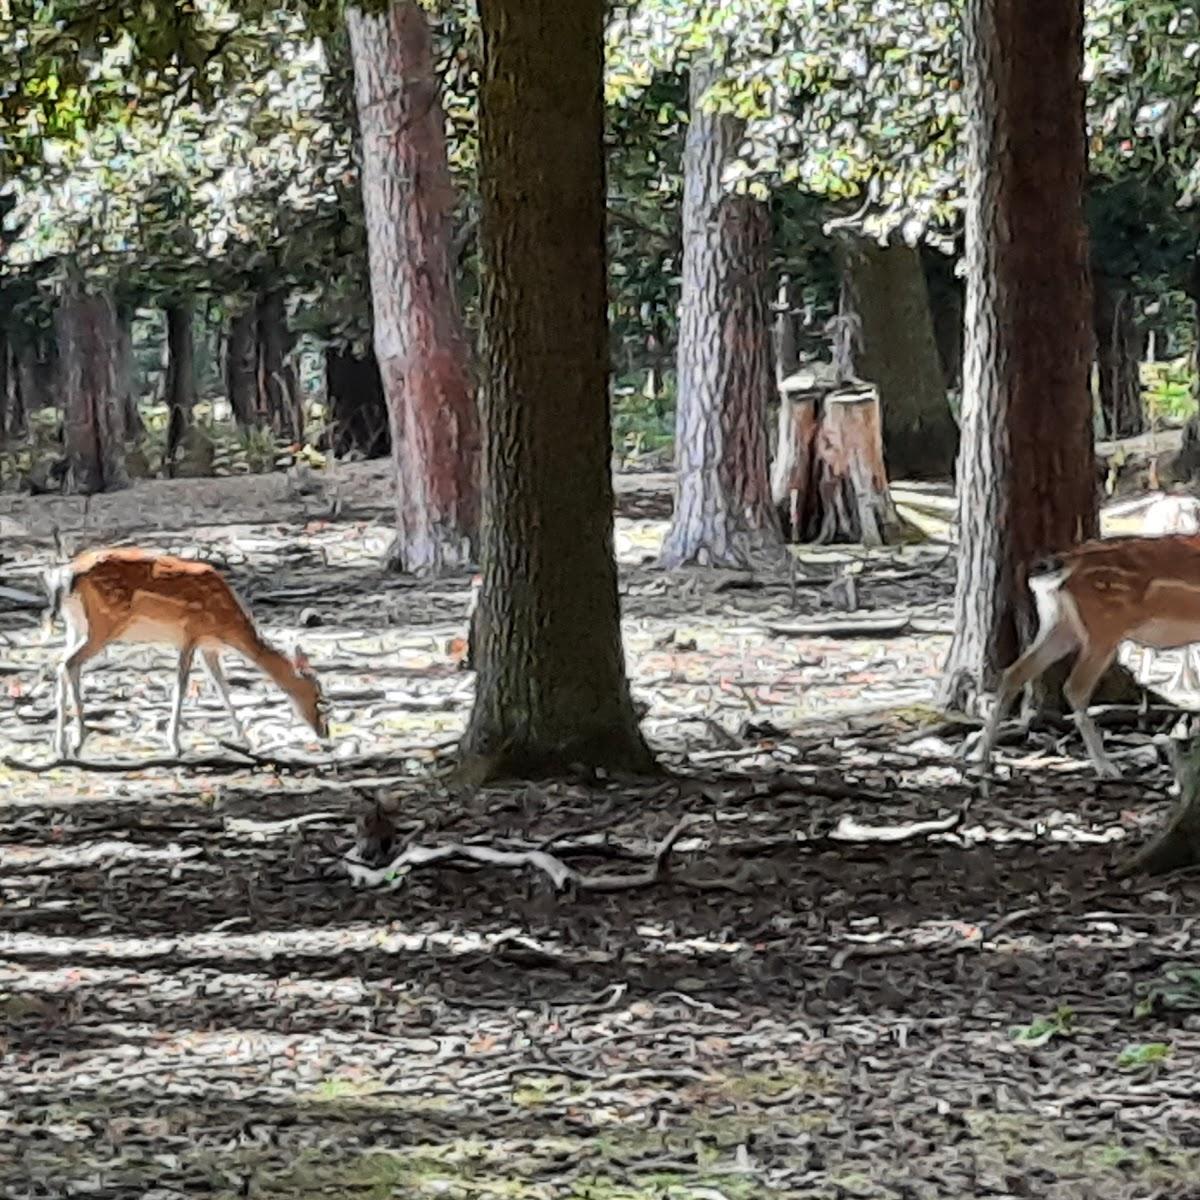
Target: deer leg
{"points": [[212, 665], [181, 677], [69, 688], [1078, 689], [1051, 644]]}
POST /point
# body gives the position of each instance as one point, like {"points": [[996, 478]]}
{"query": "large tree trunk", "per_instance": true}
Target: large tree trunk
{"points": [[240, 368], [357, 408], [551, 687], [1118, 358], [180, 387], [279, 404], [1026, 478], [408, 200], [94, 418], [723, 507], [884, 307]]}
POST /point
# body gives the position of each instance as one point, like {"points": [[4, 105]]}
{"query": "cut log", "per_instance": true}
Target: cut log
{"points": [[850, 479]]}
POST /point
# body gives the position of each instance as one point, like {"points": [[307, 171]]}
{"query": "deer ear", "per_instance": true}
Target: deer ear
{"points": [[300, 660]]}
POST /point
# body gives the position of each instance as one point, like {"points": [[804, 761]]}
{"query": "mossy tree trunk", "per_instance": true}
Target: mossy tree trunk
{"points": [[1026, 475], [884, 303], [551, 687]]}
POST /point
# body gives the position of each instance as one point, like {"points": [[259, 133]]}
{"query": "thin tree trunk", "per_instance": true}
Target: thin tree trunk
{"points": [[551, 687], [1118, 358], [357, 408], [408, 201], [946, 302], [127, 397], [5, 355], [279, 406], [885, 307], [180, 385], [240, 367], [94, 417], [1026, 475], [37, 368], [723, 508]]}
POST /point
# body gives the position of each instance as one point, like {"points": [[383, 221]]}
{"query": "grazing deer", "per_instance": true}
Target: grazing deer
{"points": [[129, 595], [1174, 512], [1092, 598]]}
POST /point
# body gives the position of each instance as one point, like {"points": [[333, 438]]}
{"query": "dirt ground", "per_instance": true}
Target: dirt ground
{"points": [[845, 986]]}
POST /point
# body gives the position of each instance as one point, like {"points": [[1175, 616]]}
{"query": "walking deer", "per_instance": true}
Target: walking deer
{"points": [[1092, 598], [132, 595]]}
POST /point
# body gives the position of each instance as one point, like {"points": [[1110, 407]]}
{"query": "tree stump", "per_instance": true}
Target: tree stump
{"points": [[829, 476], [851, 481], [792, 471]]}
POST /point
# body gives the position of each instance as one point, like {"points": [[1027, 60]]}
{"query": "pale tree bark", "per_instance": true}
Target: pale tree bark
{"points": [[1118, 357], [551, 688], [723, 508], [885, 302], [1026, 474], [94, 432], [408, 201]]}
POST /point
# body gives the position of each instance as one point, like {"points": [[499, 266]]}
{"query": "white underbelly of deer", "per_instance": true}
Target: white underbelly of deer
{"points": [[163, 633]]}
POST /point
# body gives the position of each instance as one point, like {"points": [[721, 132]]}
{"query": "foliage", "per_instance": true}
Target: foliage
{"points": [[1169, 389]]}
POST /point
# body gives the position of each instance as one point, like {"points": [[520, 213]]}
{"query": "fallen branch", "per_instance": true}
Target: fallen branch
{"points": [[886, 625], [559, 873]]}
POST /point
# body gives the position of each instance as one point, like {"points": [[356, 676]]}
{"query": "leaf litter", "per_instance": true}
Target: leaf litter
{"points": [[845, 975]]}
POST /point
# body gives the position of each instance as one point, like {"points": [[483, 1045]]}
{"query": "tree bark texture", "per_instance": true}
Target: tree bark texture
{"points": [[849, 478], [126, 395], [723, 507], [279, 403], [1118, 358], [5, 358], [551, 688], [354, 392], [94, 422], [1026, 476], [180, 386], [792, 480], [884, 306], [420, 343], [240, 367]]}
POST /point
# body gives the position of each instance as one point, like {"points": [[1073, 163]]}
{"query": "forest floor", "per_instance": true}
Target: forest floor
{"points": [[846, 986]]}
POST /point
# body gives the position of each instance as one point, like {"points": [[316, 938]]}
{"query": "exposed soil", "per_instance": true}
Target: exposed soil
{"points": [[844, 986]]}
